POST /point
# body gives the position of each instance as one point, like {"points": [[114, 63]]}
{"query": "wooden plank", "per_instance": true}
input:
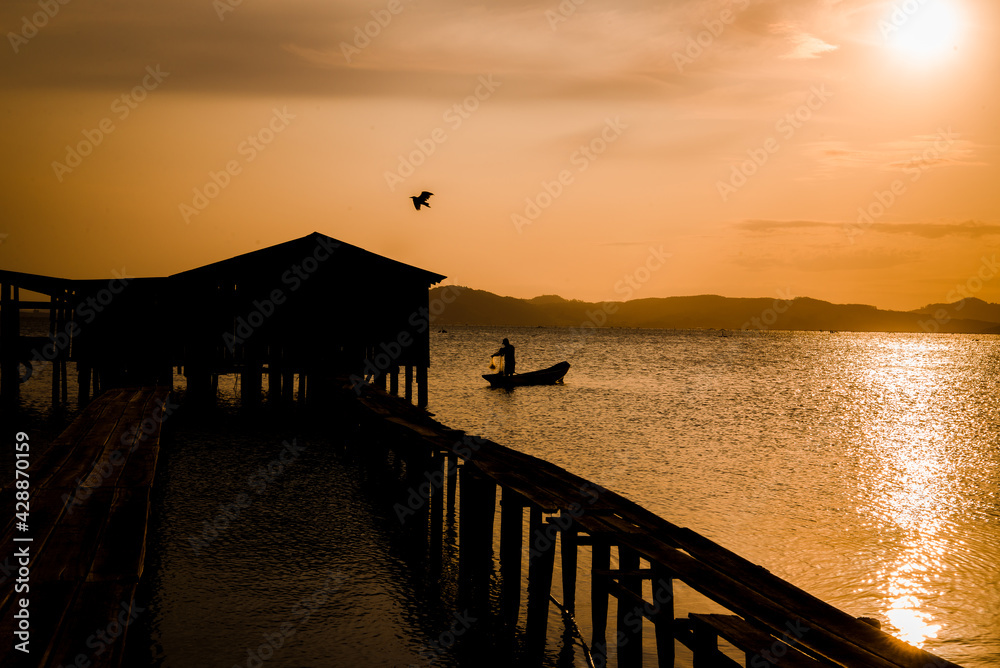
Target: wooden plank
{"points": [[140, 467], [121, 547], [46, 509], [62, 446], [106, 456], [89, 450], [87, 557], [69, 551], [95, 626], [758, 645], [645, 608], [732, 593]]}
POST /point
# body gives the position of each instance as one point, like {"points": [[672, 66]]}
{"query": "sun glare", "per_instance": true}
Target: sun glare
{"points": [[922, 30]]}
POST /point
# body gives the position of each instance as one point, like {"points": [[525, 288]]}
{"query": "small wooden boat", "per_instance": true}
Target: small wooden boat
{"points": [[554, 374]]}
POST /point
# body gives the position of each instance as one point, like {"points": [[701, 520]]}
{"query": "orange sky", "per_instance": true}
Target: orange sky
{"points": [[741, 139]]}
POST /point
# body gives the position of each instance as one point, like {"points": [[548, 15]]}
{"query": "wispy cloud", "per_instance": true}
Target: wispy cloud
{"points": [[827, 258], [916, 152], [804, 45], [968, 229], [776, 226]]}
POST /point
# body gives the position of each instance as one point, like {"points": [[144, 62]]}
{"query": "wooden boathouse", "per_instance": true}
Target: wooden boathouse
{"points": [[310, 309]]}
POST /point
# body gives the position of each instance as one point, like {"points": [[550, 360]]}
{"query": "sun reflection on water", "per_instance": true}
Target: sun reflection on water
{"points": [[908, 470]]}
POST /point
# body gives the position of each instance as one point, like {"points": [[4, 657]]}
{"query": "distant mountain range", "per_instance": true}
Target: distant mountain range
{"points": [[466, 306]]}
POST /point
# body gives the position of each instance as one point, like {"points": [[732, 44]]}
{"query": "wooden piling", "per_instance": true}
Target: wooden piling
{"points": [[63, 379], [475, 537], [394, 380], [10, 331], [409, 382], [437, 509], [600, 563], [53, 328], [629, 615], [663, 596], [568, 547], [511, 545], [452, 460], [417, 464], [83, 371], [422, 385], [541, 559], [55, 382], [274, 374]]}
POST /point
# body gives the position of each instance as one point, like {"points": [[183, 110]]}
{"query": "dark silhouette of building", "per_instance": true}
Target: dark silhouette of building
{"points": [[314, 308]]}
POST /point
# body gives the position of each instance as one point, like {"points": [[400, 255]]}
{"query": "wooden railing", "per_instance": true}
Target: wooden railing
{"points": [[770, 621]]}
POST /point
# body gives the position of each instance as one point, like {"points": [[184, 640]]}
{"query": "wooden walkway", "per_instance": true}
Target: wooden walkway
{"points": [[89, 505], [772, 621]]}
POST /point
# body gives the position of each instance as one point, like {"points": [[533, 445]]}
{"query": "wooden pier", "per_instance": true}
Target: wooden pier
{"points": [[88, 511], [770, 621]]}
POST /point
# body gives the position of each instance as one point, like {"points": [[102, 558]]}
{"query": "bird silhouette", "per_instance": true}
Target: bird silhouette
{"points": [[421, 199]]}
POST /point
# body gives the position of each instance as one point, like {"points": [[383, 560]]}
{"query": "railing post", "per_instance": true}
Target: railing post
{"points": [[600, 561], [511, 545], [663, 598], [541, 558], [629, 617], [568, 546]]}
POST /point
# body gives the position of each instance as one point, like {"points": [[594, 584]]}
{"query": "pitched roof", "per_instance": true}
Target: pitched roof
{"points": [[280, 255], [295, 251]]}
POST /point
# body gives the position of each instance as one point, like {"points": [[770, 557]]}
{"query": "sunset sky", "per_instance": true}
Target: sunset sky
{"points": [[846, 150]]}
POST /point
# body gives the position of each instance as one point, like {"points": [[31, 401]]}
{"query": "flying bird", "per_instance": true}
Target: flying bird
{"points": [[421, 199]]}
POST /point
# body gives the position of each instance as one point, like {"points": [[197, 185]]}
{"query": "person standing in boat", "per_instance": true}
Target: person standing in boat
{"points": [[507, 353]]}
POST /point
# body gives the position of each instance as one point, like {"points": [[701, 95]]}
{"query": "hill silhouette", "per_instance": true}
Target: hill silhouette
{"points": [[478, 307]]}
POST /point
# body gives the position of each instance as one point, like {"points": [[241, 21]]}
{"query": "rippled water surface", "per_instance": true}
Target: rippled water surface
{"points": [[864, 468]]}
